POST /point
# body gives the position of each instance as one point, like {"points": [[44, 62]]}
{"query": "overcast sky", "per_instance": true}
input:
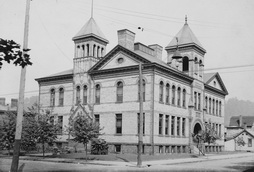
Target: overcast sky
{"points": [[224, 28]]}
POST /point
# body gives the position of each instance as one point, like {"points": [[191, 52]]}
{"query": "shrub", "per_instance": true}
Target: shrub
{"points": [[99, 147]]}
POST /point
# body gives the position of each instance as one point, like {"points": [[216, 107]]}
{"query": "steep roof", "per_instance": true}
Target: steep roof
{"points": [[235, 120], [185, 37], [90, 29], [208, 76]]}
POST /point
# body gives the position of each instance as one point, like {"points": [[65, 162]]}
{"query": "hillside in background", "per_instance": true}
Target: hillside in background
{"points": [[235, 107]]}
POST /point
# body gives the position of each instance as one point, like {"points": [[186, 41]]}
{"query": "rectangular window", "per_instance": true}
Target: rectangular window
{"points": [[167, 94], [118, 123], [97, 119], [85, 95], [160, 124], [166, 124], [143, 122], [219, 129], [183, 127], [172, 125], [178, 126], [60, 125], [199, 101], [195, 100], [118, 148], [167, 149], [249, 142], [160, 149]]}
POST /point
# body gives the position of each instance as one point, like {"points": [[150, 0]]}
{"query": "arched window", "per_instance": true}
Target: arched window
{"points": [[167, 93], [216, 109], [83, 50], [78, 51], [206, 103], [85, 95], [98, 51], [87, 49], [144, 90], [220, 108], [178, 96], [61, 97], [52, 97], [185, 63], [184, 98], [173, 94], [77, 95], [210, 105], [200, 67], [102, 52], [196, 65], [97, 93], [213, 105], [119, 92], [94, 50], [161, 91]]}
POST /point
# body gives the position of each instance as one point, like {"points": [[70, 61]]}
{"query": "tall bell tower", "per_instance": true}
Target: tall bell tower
{"points": [[191, 50], [90, 46]]}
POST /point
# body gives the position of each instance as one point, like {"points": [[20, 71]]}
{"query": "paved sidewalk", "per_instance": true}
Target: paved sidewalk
{"points": [[209, 157]]}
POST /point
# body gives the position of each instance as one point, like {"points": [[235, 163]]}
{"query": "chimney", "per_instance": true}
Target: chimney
{"points": [[157, 50], [14, 103], [240, 121], [126, 38], [2, 101]]}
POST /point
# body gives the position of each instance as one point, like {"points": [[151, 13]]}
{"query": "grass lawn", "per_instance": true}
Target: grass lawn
{"points": [[132, 157]]}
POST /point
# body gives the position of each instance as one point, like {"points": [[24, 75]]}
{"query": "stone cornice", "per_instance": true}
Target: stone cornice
{"points": [[215, 90], [55, 78], [184, 47]]}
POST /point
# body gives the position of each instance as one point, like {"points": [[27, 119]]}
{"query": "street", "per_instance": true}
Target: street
{"points": [[232, 164]]}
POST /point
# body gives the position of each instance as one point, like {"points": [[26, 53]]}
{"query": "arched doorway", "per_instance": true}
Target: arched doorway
{"points": [[197, 128]]}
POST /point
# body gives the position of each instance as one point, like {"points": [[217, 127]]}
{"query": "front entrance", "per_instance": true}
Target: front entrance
{"points": [[196, 131], [197, 128]]}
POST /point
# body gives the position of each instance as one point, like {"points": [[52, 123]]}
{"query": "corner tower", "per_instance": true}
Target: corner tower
{"points": [[90, 46], [191, 50]]}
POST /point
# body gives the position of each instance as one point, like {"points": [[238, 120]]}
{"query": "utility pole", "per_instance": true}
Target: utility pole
{"points": [[140, 134], [16, 151]]}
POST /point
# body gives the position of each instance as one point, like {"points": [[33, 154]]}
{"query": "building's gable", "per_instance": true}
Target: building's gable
{"points": [[120, 59], [214, 81], [110, 61]]}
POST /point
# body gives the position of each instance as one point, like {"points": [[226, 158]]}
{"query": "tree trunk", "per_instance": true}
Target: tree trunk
{"points": [[43, 149], [86, 151]]}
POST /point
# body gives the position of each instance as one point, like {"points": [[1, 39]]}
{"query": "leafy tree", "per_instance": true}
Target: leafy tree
{"points": [[240, 141], [83, 130], [29, 137], [46, 131], [7, 132], [208, 135], [11, 51]]}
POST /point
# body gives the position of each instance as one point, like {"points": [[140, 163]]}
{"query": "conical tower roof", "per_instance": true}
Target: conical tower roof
{"points": [[90, 29], [185, 38]]}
